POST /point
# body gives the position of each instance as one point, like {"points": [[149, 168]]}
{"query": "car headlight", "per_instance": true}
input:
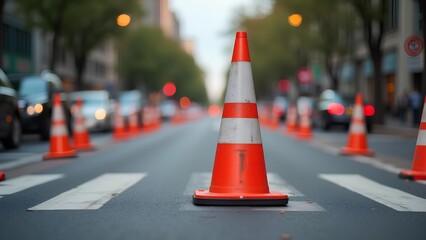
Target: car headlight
{"points": [[100, 114], [35, 109], [30, 110], [38, 108]]}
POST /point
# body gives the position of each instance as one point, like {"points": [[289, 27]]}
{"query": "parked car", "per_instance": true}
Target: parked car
{"points": [[10, 117], [35, 92], [335, 109], [97, 109]]}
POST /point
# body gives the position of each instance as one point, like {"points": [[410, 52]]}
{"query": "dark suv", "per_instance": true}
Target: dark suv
{"points": [[36, 101], [10, 119]]}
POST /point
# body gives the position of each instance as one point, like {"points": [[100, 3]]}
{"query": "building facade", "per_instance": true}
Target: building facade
{"points": [[401, 73]]}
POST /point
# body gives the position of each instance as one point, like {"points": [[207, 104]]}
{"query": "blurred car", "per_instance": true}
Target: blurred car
{"points": [[280, 107], [10, 118], [36, 101], [97, 109], [168, 109], [131, 102], [335, 109]]}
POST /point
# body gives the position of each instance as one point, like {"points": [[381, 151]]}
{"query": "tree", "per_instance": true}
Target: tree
{"points": [[279, 49], [90, 23], [372, 14], [48, 15], [327, 22], [151, 59]]}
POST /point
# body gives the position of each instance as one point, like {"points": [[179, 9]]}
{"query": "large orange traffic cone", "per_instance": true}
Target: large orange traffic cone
{"points": [[2, 176], [357, 141], [305, 130], [291, 120], [120, 132], [59, 139], [239, 172], [80, 134], [418, 169]]}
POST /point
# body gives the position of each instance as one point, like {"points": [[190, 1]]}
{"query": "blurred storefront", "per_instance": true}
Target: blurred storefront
{"points": [[400, 72]]}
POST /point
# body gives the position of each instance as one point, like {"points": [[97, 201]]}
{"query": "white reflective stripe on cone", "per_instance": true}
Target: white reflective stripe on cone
{"points": [[240, 87], [57, 131], [424, 114], [240, 130], [78, 128], [421, 138], [58, 113], [358, 112], [357, 128]]}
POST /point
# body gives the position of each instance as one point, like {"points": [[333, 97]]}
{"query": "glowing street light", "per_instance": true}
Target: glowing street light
{"points": [[295, 20], [123, 20]]}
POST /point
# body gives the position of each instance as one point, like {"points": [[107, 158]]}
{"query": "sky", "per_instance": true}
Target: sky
{"points": [[207, 23]]}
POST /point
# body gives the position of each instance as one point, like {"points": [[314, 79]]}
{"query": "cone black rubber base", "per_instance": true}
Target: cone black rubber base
{"points": [[404, 176], [239, 202]]}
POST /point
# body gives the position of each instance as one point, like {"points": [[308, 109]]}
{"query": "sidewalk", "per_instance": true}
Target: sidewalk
{"points": [[394, 125]]}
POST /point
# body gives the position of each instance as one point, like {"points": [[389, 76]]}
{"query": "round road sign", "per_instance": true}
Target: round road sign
{"points": [[413, 46]]}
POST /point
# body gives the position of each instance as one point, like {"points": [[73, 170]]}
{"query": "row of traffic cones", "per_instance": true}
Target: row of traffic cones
{"points": [[151, 120], [60, 146]]}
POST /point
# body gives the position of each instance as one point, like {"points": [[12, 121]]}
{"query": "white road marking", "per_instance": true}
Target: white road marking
{"points": [[24, 182], [93, 194], [293, 206], [202, 180], [22, 161], [391, 197]]}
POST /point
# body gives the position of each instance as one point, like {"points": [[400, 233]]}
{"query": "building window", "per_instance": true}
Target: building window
{"points": [[392, 15]]}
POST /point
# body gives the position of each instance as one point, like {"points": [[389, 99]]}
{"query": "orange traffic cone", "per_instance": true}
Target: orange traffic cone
{"points": [[357, 141], [133, 124], [59, 140], [305, 131], [80, 133], [120, 132], [239, 172], [418, 169], [2, 176], [291, 120], [275, 120]]}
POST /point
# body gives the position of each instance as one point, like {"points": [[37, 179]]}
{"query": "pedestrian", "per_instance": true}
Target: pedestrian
{"points": [[415, 104], [402, 106]]}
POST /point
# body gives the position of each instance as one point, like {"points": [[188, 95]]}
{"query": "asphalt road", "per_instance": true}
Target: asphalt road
{"points": [[141, 189]]}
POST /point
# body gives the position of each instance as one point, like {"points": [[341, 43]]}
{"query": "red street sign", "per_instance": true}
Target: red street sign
{"points": [[413, 46], [304, 75], [284, 85]]}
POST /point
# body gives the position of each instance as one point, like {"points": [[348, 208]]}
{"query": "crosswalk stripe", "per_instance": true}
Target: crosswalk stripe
{"points": [[391, 197], [24, 182], [92, 194], [202, 180]]}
